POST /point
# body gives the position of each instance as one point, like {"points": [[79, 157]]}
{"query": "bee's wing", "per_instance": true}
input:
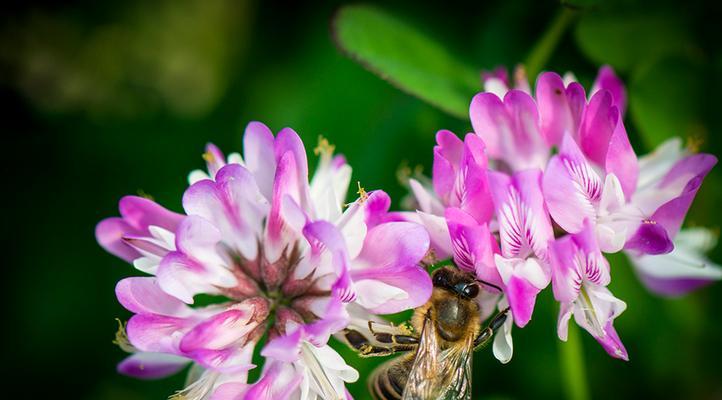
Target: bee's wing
{"points": [[456, 363], [439, 374], [423, 377]]}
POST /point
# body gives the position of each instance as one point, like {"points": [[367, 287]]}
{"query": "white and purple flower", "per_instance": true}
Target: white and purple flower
{"points": [[280, 254]]}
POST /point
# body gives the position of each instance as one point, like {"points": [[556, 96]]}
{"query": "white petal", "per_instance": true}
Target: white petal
{"points": [[373, 293], [503, 346]]}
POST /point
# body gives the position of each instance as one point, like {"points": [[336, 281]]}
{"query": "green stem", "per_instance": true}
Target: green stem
{"points": [[545, 46], [574, 375]]}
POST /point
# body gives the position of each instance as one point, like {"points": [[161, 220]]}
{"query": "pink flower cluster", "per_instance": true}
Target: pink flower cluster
{"points": [[545, 185], [279, 256]]}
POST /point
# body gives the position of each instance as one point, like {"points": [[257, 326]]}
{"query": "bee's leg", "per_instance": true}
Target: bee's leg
{"points": [[392, 338], [367, 349], [485, 336]]}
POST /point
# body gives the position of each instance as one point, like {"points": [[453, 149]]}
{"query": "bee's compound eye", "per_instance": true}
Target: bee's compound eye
{"points": [[471, 290]]}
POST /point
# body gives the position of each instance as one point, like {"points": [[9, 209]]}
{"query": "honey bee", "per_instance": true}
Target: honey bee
{"points": [[446, 331]]}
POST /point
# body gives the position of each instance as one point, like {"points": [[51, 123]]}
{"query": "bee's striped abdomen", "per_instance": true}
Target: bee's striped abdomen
{"points": [[387, 382]]}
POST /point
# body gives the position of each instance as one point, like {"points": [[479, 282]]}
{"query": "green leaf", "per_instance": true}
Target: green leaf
{"points": [[665, 100], [405, 57], [628, 40]]}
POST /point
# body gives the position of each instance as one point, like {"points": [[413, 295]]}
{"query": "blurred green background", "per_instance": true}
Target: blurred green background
{"points": [[113, 98]]}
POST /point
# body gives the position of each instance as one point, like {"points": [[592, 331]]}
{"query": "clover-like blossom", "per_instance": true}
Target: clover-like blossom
{"points": [[558, 156], [580, 278], [280, 256]]}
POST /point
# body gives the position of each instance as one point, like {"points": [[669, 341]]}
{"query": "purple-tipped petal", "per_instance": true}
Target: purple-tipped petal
{"points": [[137, 215], [144, 296], [690, 171], [157, 333], [141, 213], [221, 330], [683, 270], [146, 365], [612, 344], [109, 234]]}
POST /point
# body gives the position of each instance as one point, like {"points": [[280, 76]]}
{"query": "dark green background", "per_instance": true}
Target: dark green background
{"points": [[105, 100]]}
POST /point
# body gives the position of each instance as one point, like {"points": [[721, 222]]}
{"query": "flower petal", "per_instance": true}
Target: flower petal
{"points": [[473, 245], [560, 107], [144, 296], [524, 224], [258, 153], [447, 156], [571, 188], [684, 269], [157, 333], [608, 80], [145, 365]]}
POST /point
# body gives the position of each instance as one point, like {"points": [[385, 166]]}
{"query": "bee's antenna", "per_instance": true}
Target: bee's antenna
{"points": [[483, 282]]}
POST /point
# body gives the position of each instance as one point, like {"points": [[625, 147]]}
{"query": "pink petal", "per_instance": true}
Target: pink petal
{"points": [[473, 245], [141, 213], [571, 188], [566, 276], [286, 347], [156, 333], [612, 344], [621, 160], [110, 232], [258, 153], [521, 295], [693, 169], [607, 80], [472, 186], [411, 279], [524, 224], [323, 235], [597, 125], [146, 365], [285, 183], [395, 244], [288, 141], [144, 296], [447, 156], [560, 108], [219, 331]]}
